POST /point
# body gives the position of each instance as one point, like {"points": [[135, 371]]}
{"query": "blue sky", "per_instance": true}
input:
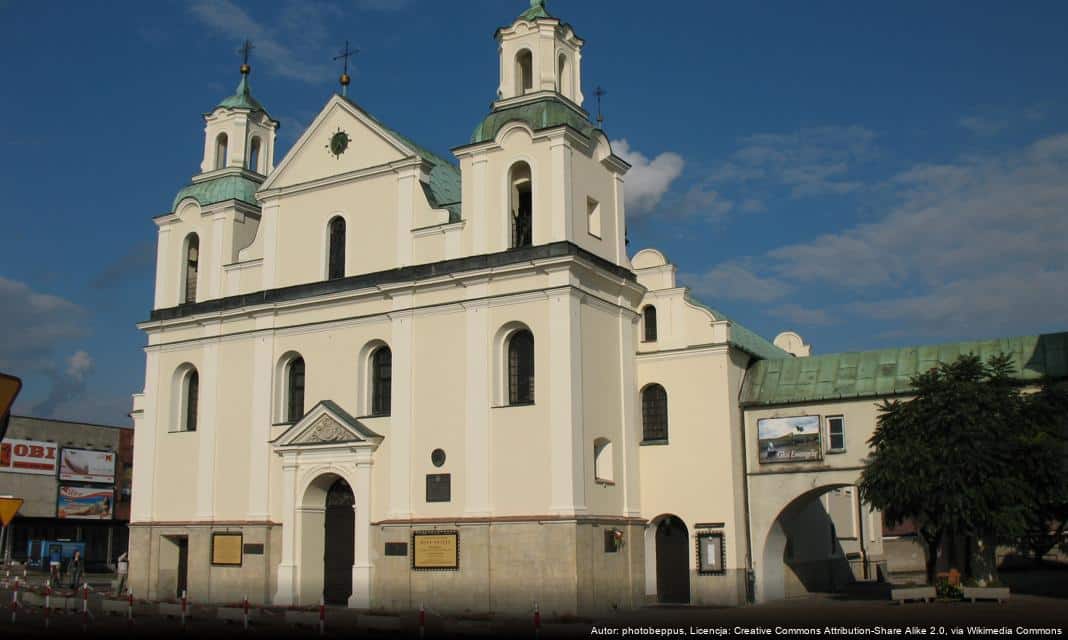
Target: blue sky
{"points": [[868, 174]]}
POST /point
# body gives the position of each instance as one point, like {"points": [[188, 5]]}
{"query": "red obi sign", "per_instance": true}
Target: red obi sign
{"points": [[28, 456]]}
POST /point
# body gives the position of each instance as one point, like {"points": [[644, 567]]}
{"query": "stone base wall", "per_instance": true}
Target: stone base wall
{"points": [[505, 567], [727, 589], [154, 556]]}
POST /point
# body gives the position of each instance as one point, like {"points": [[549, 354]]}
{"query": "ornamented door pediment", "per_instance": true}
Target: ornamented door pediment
{"points": [[327, 424]]}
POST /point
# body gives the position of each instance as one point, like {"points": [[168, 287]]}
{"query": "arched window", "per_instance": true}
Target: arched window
{"points": [[563, 76], [381, 381], [649, 324], [220, 151], [521, 368], [602, 461], [294, 408], [524, 72], [190, 396], [654, 414], [336, 259], [190, 268], [521, 205], [254, 154]]}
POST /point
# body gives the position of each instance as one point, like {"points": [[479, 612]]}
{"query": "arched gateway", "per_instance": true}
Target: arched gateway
{"points": [[326, 487]]}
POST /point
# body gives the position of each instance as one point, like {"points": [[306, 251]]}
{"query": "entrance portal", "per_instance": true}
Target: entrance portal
{"points": [[339, 551], [672, 561]]}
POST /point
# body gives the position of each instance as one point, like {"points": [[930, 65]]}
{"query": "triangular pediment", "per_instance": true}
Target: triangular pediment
{"points": [[327, 424], [312, 158]]}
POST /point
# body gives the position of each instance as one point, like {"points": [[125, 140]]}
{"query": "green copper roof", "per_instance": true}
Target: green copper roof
{"points": [[867, 374], [221, 189], [546, 113], [443, 192], [536, 10], [242, 98], [743, 338]]}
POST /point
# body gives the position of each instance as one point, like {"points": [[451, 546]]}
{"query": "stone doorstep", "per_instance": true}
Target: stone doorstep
{"points": [[302, 617], [901, 594], [237, 614], [985, 593], [172, 610]]}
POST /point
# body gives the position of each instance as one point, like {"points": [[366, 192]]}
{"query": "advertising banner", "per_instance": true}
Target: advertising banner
{"points": [[85, 503], [28, 456], [82, 465], [795, 439]]}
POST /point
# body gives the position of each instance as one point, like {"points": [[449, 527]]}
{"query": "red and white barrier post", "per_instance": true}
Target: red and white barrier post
{"points": [[48, 602], [244, 607], [85, 605], [537, 620], [322, 616], [185, 597], [422, 620], [129, 607], [14, 600]]}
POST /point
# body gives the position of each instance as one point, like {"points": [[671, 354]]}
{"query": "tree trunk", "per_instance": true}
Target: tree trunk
{"points": [[984, 567], [933, 540]]}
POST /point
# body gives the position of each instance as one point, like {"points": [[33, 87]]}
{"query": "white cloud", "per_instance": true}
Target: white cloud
{"points": [[971, 247], [648, 180], [813, 161], [983, 125], [802, 315], [734, 281], [303, 24]]}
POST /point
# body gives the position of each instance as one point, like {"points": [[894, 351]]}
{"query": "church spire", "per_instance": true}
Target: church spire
{"points": [[242, 97]]}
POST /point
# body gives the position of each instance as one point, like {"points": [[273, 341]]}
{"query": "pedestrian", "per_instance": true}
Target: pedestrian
{"points": [[124, 570], [74, 567], [55, 562]]}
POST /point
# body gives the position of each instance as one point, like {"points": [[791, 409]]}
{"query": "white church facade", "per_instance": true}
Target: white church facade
{"points": [[384, 378]]}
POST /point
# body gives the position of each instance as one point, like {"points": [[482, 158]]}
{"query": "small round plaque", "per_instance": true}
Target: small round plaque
{"points": [[438, 457]]}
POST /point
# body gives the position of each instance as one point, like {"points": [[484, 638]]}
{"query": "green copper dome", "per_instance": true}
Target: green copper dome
{"points": [[242, 98], [536, 10], [543, 114], [221, 189]]}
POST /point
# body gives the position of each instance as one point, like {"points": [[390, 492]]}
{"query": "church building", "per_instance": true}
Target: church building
{"points": [[383, 377]]}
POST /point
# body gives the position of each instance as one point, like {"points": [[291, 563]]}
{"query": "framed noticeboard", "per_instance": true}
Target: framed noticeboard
{"points": [[711, 557], [226, 549], [435, 550]]}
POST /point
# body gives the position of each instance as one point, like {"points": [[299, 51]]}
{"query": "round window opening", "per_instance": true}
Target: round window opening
{"points": [[438, 457]]}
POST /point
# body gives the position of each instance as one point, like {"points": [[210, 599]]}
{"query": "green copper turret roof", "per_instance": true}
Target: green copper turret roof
{"points": [[242, 98], [546, 113], [536, 10], [231, 187]]}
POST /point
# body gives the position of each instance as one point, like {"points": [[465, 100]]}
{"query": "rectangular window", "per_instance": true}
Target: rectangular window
{"points": [[438, 487], [836, 433], [593, 217]]}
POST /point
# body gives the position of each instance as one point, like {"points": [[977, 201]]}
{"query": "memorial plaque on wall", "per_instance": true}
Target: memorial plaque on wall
{"points": [[226, 549], [435, 550], [438, 487], [396, 548]]}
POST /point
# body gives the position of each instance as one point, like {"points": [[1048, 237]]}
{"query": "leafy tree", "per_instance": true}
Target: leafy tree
{"points": [[964, 455], [1047, 411]]}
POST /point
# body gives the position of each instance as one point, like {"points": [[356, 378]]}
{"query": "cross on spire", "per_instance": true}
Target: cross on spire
{"points": [[345, 55], [599, 92], [245, 50]]}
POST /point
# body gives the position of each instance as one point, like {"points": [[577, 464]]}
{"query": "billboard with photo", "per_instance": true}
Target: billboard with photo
{"points": [[28, 456], [794, 439], [82, 465], [85, 503]]}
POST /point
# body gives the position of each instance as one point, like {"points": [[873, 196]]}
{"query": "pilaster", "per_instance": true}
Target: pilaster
{"points": [[287, 568], [400, 421], [207, 422], [476, 430], [260, 418], [145, 449], [566, 464]]}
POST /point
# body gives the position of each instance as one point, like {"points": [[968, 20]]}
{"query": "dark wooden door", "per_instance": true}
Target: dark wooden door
{"points": [[339, 544], [183, 566], [672, 561]]}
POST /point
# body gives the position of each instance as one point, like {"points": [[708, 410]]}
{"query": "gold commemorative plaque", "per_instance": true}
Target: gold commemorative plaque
{"points": [[435, 550], [226, 549]]}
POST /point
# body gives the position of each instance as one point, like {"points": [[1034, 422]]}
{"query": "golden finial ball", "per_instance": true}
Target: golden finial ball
{"points": [[345, 79], [245, 69]]}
